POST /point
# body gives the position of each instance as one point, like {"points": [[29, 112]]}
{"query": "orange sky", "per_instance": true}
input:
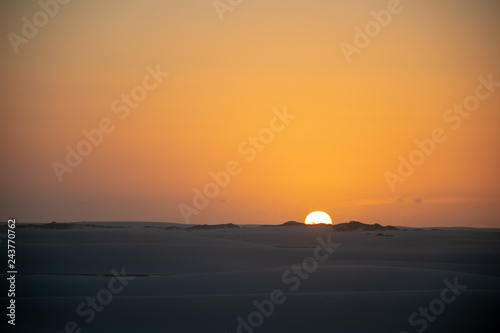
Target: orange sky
{"points": [[352, 119]]}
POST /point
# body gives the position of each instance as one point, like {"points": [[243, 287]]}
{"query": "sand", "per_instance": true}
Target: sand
{"points": [[204, 281]]}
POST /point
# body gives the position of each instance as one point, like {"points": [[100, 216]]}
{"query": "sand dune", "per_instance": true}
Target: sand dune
{"points": [[202, 281]]}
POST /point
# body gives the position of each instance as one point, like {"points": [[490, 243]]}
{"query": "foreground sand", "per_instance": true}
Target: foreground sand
{"points": [[203, 281]]}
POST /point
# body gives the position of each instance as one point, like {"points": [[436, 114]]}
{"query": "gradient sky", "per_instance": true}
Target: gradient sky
{"points": [[352, 120]]}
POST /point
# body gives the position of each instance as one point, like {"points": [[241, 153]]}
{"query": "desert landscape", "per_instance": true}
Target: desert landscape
{"points": [[237, 166], [167, 277]]}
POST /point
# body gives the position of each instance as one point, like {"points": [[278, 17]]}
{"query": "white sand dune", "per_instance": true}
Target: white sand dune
{"points": [[202, 281]]}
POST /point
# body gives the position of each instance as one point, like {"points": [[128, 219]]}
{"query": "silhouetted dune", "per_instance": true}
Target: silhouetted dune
{"points": [[349, 226], [286, 224], [212, 227], [358, 226]]}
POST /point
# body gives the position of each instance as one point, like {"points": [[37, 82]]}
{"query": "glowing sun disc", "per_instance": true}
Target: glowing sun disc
{"points": [[318, 217]]}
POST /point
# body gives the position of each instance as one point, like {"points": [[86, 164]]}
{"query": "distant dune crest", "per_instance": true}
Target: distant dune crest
{"points": [[348, 226]]}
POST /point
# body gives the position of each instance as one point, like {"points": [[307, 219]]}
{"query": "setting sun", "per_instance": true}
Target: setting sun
{"points": [[318, 217]]}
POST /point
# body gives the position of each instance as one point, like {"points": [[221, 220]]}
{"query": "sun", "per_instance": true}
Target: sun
{"points": [[318, 217]]}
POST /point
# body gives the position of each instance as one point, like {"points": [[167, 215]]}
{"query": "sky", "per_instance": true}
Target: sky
{"points": [[249, 112]]}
